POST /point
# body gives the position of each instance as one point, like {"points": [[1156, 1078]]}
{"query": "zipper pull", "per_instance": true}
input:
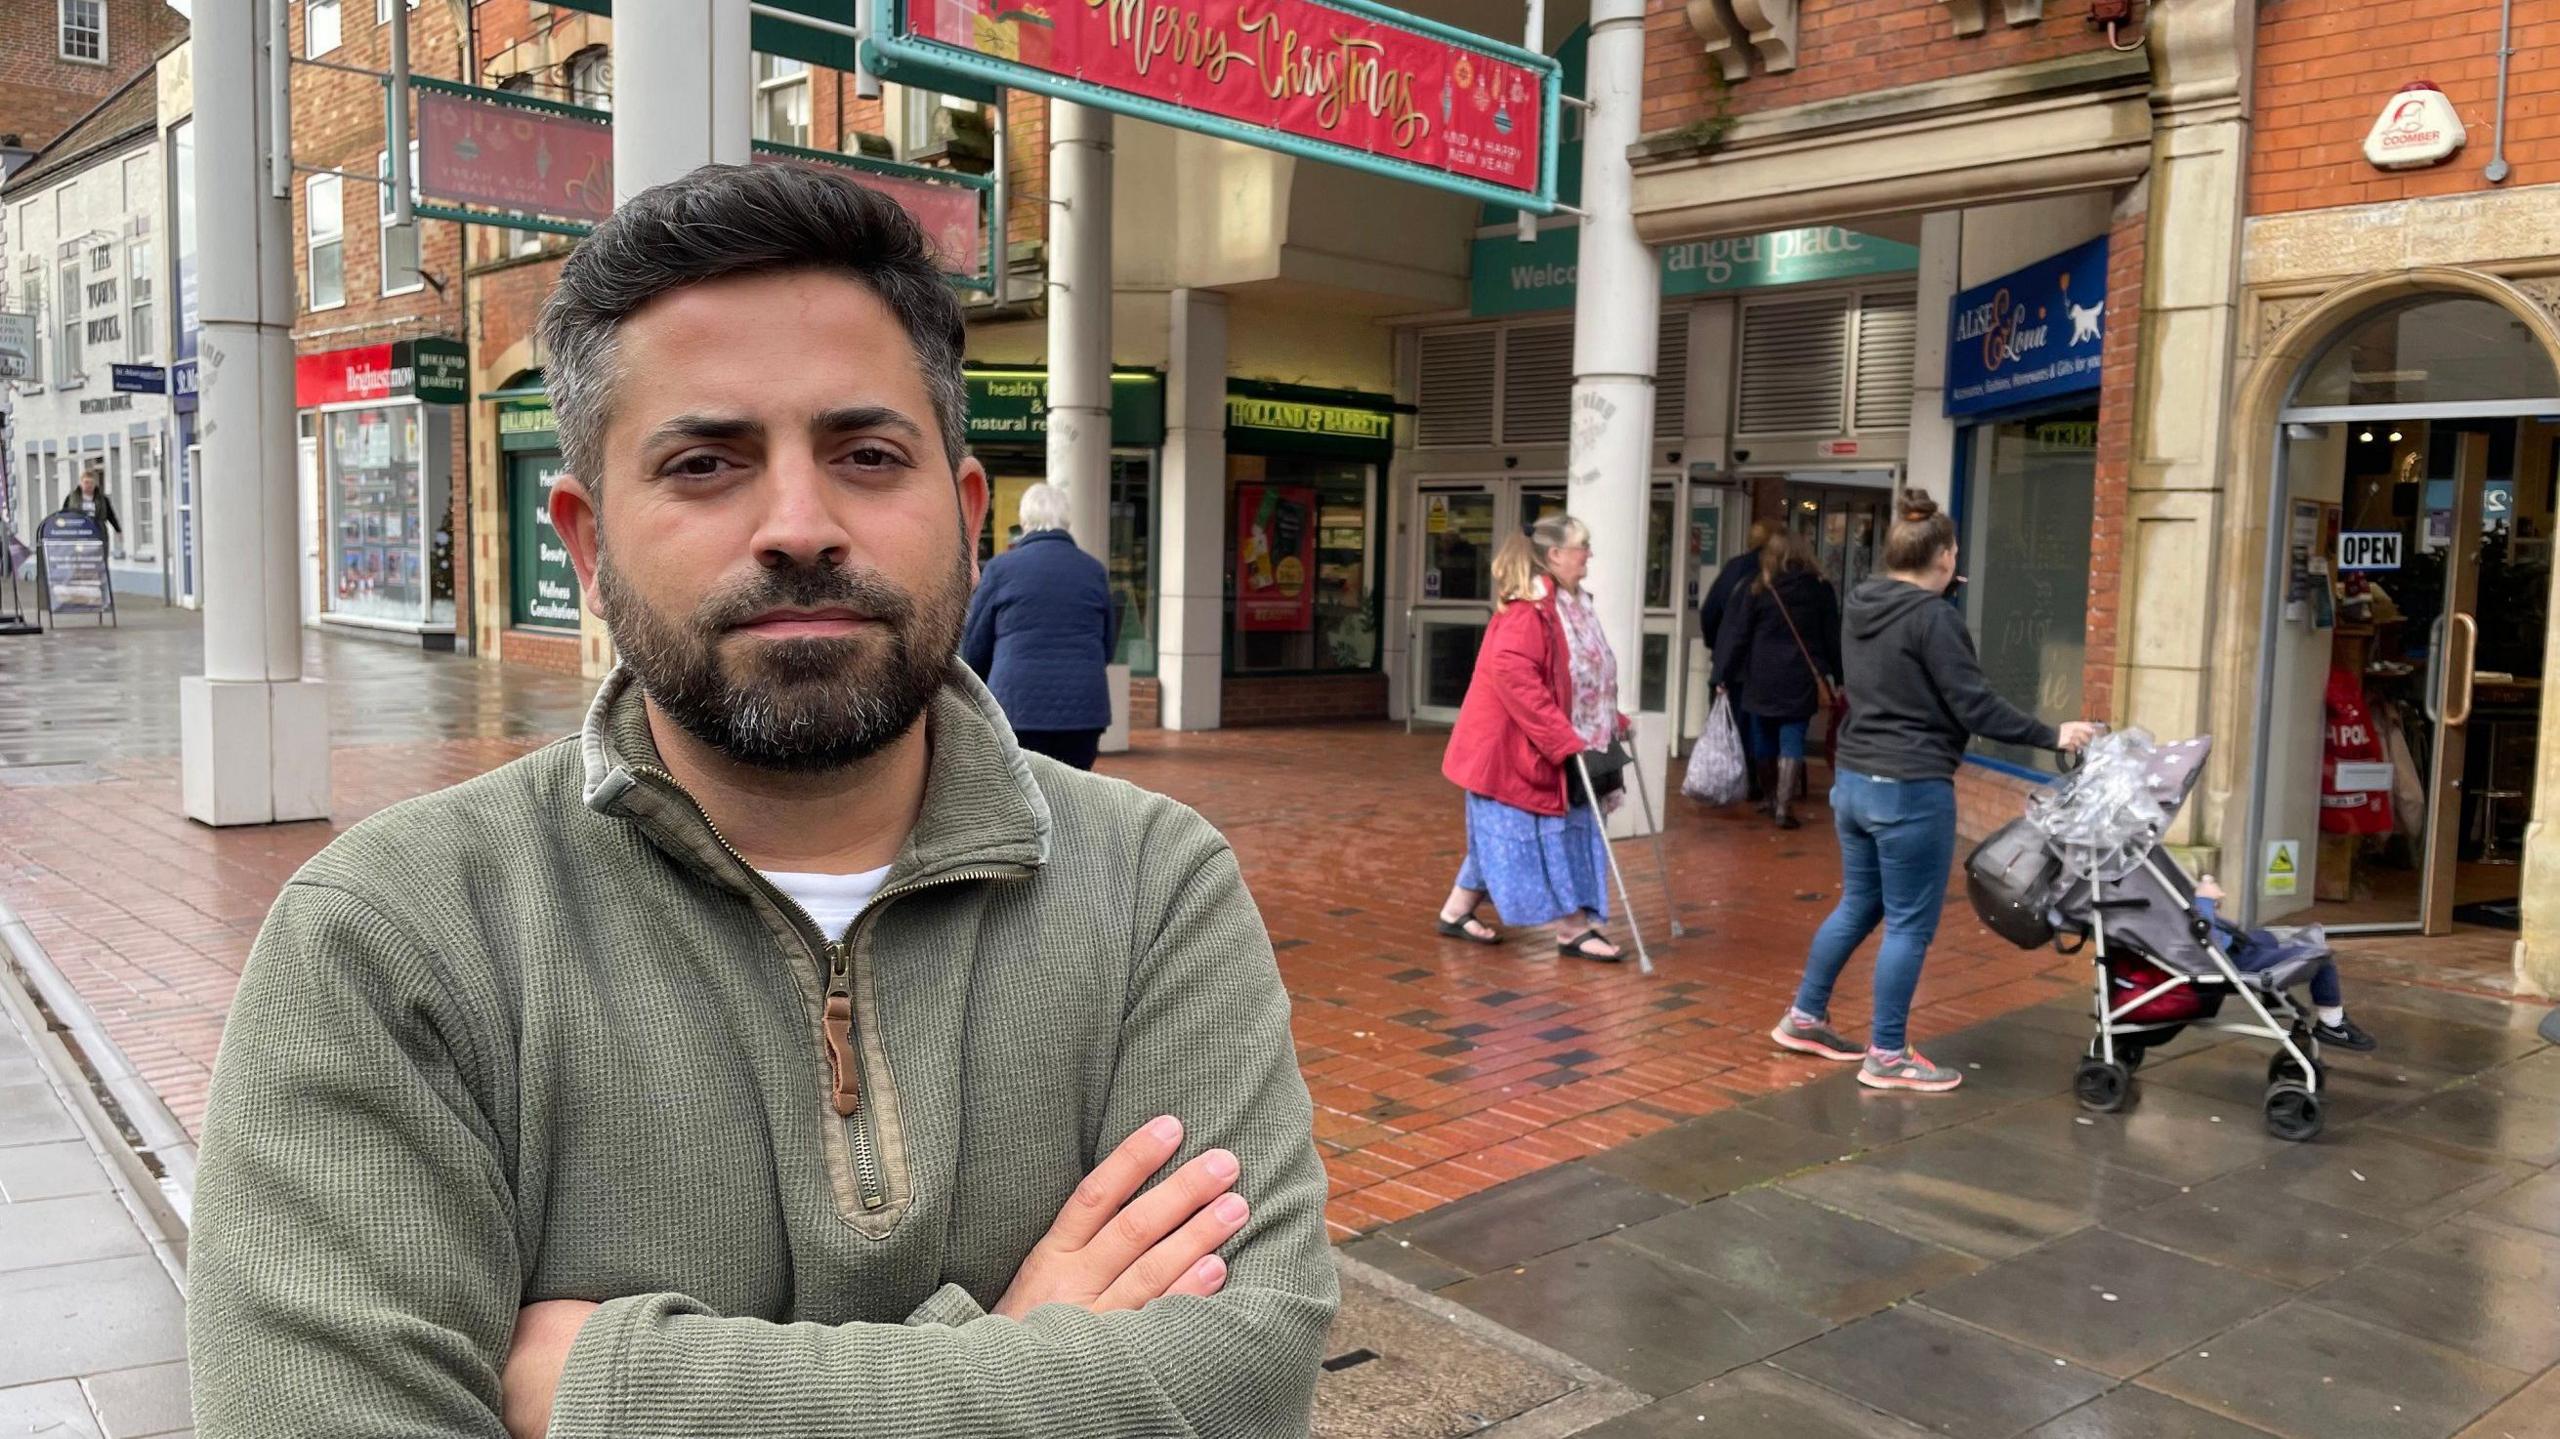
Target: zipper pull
{"points": [[841, 1063]]}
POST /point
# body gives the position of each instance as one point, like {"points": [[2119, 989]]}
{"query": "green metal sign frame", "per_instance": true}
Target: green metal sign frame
{"points": [[895, 55]]}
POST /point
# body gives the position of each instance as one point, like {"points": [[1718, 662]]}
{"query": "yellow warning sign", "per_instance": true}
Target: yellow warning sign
{"points": [[2284, 867]]}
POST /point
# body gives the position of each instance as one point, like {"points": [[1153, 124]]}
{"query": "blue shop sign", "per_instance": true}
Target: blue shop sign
{"points": [[139, 379], [2030, 335], [182, 386]]}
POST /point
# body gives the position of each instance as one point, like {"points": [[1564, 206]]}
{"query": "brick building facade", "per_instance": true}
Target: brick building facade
{"points": [[56, 66]]}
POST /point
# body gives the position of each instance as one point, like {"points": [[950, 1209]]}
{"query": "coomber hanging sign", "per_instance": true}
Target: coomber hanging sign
{"points": [[2419, 127], [1337, 80]]}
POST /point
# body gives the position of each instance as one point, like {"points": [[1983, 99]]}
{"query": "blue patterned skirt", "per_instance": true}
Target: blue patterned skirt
{"points": [[1537, 868]]}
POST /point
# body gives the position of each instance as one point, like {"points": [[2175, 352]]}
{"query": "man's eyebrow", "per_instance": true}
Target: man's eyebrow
{"points": [[865, 417], [706, 427]]}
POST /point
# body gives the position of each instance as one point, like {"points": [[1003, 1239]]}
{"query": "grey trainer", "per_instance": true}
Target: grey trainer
{"points": [[1813, 1037], [1908, 1070]]}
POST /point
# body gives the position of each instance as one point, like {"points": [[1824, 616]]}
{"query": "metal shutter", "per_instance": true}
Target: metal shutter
{"points": [[1888, 335], [1456, 393], [1671, 378], [1537, 384], [1795, 367]]}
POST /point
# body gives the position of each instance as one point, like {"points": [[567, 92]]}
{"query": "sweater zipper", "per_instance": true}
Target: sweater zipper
{"points": [[844, 1060]]}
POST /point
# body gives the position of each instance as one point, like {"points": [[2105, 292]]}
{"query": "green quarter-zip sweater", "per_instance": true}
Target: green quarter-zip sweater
{"points": [[544, 1035]]}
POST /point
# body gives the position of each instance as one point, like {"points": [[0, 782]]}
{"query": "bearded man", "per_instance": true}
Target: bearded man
{"points": [[788, 1054]]}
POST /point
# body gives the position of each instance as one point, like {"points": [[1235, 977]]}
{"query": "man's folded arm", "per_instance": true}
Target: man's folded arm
{"points": [[1206, 1038]]}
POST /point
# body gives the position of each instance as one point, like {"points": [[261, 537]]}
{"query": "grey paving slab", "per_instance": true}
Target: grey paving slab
{"points": [[2134, 1412], [2306, 1373], [1652, 1326], [2115, 1304], [1943, 1375], [1392, 1370], [2534, 1204], [50, 1171], [2531, 1412], [66, 1231], [2168, 1134], [2441, 1004], [55, 1409], [143, 1403], [66, 1320], [18, 1063], [1401, 1258], [2484, 1120], [30, 1114], [1761, 1402], [2488, 1290], [2536, 1074], [2250, 1224], [1868, 1119], [2432, 1042], [1800, 1254], [1982, 1195], [1729, 1150], [2360, 1088], [1531, 1216], [2008, 1056], [2392, 1176]]}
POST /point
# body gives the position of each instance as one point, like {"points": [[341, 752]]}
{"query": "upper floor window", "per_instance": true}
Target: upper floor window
{"points": [[782, 100], [400, 273], [591, 78], [84, 30], [319, 26], [327, 239], [521, 242], [382, 11]]}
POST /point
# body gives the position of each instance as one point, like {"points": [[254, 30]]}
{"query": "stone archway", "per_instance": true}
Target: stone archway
{"points": [[2293, 330]]}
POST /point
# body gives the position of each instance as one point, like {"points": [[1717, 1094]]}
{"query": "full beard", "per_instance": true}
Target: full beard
{"points": [[794, 705]]}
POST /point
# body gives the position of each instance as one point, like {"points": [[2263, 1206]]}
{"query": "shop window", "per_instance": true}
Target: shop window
{"points": [[2030, 506], [326, 225], [2444, 351], [1301, 596], [384, 532]]}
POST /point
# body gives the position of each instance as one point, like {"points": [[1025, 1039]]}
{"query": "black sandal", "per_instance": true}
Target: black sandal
{"points": [[1578, 947], [1457, 929]]}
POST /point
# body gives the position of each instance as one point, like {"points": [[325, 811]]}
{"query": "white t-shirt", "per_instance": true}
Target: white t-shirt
{"points": [[835, 901]]}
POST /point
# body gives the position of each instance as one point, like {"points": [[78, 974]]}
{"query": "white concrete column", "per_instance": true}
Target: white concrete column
{"points": [[1617, 317], [683, 92], [254, 735], [1933, 433], [1191, 610], [1080, 344]]}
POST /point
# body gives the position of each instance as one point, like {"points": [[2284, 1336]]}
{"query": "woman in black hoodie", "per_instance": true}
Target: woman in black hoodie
{"points": [[1917, 695], [1779, 646]]}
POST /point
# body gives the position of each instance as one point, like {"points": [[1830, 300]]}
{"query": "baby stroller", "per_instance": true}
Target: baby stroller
{"points": [[2084, 870]]}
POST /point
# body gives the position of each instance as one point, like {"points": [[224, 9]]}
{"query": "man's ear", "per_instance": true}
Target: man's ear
{"points": [[579, 521], [970, 483]]}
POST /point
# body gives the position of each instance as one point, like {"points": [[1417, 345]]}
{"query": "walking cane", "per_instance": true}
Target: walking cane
{"points": [[1644, 961], [1644, 793]]}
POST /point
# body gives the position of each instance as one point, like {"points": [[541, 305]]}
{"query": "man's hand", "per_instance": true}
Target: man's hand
{"points": [[1106, 1253], [544, 1332]]}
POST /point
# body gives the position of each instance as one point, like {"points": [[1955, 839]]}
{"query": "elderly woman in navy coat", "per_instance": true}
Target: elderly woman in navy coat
{"points": [[1042, 632]]}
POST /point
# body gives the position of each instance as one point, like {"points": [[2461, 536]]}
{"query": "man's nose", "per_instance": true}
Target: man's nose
{"points": [[801, 524]]}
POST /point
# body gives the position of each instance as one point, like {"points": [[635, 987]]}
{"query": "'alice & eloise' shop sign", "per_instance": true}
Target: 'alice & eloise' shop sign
{"points": [[1338, 80]]}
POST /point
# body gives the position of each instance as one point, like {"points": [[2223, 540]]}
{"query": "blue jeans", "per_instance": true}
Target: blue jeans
{"points": [[1774, 738], [1897, 838]]}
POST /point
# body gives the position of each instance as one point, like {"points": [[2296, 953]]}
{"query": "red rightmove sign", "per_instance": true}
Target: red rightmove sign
{"points": [[1344, 78]]}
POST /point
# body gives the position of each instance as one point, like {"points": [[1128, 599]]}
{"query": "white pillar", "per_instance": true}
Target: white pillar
{"points": [[1191, 606], [683, 92], [1931, 467], [254, 735], [1080, 344], [1616, 320]]}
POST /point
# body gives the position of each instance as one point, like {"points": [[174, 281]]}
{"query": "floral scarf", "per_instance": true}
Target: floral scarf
{"points": [[1595, 670]]}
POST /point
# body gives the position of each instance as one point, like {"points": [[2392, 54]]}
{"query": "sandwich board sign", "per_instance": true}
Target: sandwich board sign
{"points": [[71, 559]]}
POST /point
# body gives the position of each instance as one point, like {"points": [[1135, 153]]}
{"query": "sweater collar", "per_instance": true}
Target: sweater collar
{"points": [[982, 807]]}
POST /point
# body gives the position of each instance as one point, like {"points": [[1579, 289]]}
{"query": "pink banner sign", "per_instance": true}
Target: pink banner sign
{"points": [[950, 214], [1301, 67], [507, 157]]}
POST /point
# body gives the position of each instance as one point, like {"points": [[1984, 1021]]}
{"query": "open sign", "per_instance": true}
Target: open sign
{"points": [[2368, 550]]}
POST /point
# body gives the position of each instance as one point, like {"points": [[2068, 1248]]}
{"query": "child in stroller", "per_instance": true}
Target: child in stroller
{"points": [[2260, 949], [2084, 869]]}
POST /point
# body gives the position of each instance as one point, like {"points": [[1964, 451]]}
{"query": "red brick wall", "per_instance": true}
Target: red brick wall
{"points": [[1987, 799], [2118, 376], [338, 124], [556, 653], [41, 93], [1247, 701], [1146, 704], [2325, 70], [1846, 47]]}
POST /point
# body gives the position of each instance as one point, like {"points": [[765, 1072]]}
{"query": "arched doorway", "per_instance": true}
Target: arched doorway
{"points": [[2405, 629]]}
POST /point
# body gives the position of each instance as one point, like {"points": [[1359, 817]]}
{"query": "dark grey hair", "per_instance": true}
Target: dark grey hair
{"points": [[725, 220]]}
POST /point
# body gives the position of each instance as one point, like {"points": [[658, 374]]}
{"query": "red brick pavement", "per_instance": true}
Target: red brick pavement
{"points": [[1438, 1068]]}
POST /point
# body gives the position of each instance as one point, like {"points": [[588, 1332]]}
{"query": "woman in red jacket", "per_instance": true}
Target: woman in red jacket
{"points": [[1545, 690]]}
